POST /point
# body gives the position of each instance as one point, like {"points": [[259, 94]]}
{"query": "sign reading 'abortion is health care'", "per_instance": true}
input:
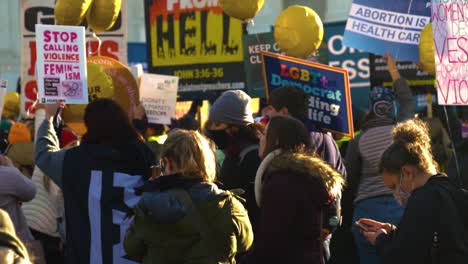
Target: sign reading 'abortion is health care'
{"points": [[450, 28], [394, 26], [61, 64], [328, 87]]}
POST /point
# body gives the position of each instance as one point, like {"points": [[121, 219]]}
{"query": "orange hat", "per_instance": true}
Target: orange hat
{"points": [[19, 132]]}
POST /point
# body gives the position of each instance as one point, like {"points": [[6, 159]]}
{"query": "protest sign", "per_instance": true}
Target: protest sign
{"points": [[393, 26], [197, 42], [112, 43], [253, 46], [61, 64], [418, 79], [355, 61], [451, 51], [3, 91], [328, 87], [158, 94]]}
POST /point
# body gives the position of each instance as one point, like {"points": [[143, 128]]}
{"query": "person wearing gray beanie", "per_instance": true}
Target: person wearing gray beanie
{"points": [[232, 128], [232, 107]]}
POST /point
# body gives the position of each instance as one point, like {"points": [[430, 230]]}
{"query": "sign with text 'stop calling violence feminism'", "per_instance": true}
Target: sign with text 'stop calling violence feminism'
{"points": [[387, 26], [450, 20], [61, 64]]}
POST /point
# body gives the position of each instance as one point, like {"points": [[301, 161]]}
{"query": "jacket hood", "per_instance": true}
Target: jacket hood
{"points": [[374, 121], [305, 164], [164, 207]]}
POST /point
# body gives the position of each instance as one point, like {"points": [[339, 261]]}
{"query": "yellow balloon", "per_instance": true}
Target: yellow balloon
{"points": [[241, 9], [114, 79], [11, 106], [298, 31], [426, 50], [100, 85], [103, 14], [71, 12]]}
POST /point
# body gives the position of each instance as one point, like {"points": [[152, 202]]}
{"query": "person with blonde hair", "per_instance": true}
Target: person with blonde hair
{"points": [[434, 226], [186, 218]]}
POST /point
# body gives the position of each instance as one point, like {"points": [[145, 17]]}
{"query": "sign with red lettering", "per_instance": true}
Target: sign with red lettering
{"points": [[112, 43], [451, 51], [61, 64]]}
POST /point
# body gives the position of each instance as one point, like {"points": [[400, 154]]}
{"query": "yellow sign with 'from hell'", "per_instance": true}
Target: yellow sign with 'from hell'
{"points": [[192, 32]]}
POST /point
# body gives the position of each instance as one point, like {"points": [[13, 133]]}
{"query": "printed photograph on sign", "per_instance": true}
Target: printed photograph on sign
{"points": [[327, 87], [394, 26], [158, 94], [61, 64]]}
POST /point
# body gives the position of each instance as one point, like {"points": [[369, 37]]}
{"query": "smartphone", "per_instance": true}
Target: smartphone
{"points": [[362, 226]]}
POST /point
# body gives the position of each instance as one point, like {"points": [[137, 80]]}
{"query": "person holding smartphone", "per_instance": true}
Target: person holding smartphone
{"points": [[434, 226]]}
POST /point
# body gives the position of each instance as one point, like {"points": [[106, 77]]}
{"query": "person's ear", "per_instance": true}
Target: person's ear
{"points": [[232, 130], [408, 172]]}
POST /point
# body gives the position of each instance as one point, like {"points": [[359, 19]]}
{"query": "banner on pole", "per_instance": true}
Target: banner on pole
{"points": [[196, 41]]}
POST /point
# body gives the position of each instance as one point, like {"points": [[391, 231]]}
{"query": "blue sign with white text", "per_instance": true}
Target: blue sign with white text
{"points": [[328, 88], [394, 26]]}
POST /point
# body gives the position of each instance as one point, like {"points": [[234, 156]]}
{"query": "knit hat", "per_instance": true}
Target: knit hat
{"points": [[382, 101], [19, 132], [232, 107], [8, 236]]}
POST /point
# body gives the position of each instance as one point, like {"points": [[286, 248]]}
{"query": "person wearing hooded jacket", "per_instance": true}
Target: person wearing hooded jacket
{"points": [[366, 192], [232, 128], [293, 188], [97, 179], [186, 218]]}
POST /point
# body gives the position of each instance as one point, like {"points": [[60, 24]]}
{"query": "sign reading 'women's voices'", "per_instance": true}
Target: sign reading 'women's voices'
{"points": [[450, 28]]}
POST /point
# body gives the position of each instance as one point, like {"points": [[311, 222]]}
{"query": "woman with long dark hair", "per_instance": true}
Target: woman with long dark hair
{"points": [[97, 179], [293, 188]]}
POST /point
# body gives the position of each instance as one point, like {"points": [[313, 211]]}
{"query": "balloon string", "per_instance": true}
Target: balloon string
{"points": [[457, 166], [404, 28], [98, 51]]}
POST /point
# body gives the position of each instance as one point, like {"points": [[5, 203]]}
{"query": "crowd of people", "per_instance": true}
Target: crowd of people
{"points": [[236, 190]]}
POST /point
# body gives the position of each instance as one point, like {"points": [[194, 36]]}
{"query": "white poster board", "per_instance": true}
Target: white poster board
{"points": [[3, 91], [158, 94], [61, 64], [451, 56]]}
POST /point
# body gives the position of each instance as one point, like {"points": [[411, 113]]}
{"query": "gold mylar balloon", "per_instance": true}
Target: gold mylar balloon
{"points": [[11, 105], [298, 31], [107, 78], [103, 14], [241, 9], [426, 49]]}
